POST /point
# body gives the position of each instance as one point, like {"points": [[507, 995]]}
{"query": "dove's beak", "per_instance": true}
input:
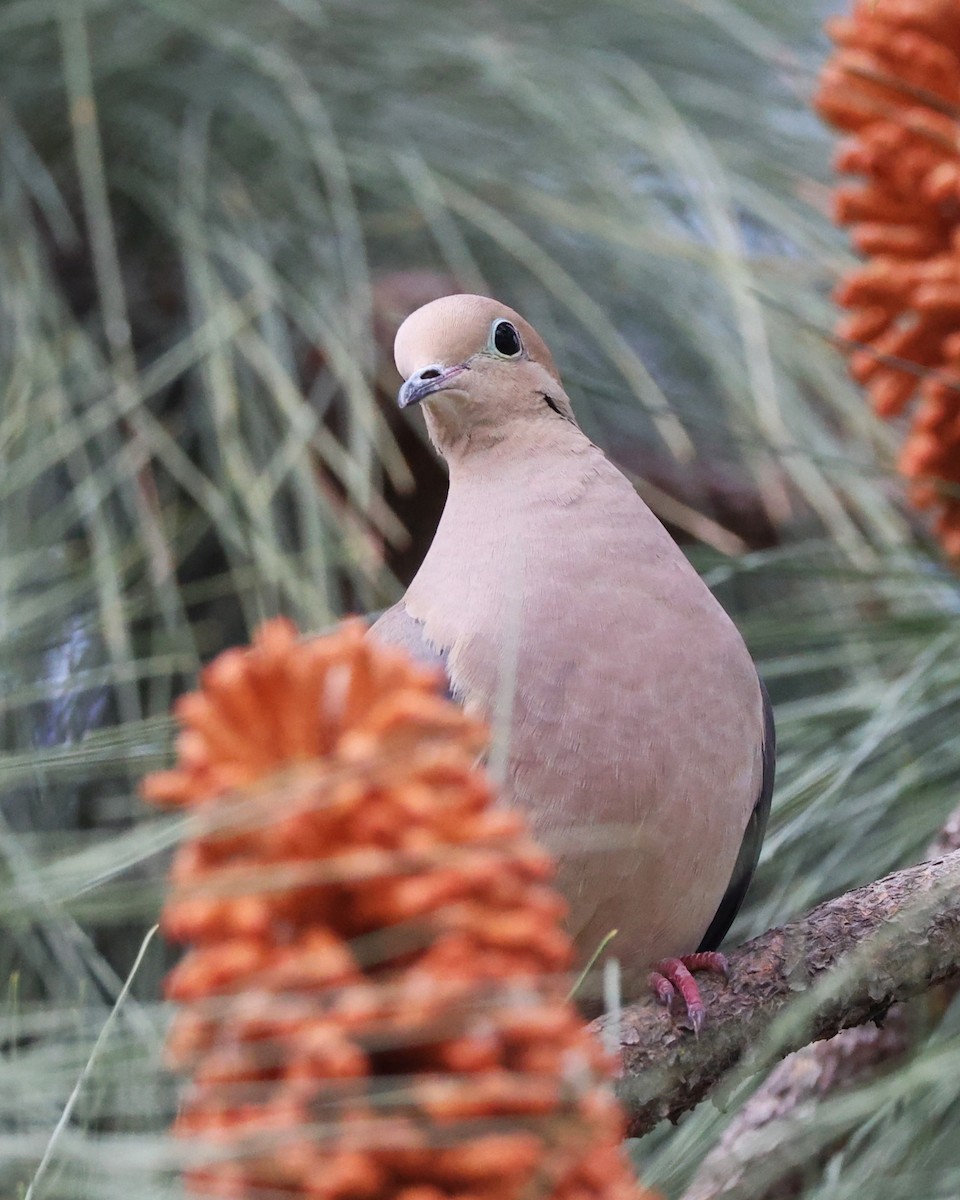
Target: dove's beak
{"points": [[426, 382]]}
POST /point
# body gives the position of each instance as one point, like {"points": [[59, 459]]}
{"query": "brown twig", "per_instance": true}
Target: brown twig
{"points": [[853, 957]]}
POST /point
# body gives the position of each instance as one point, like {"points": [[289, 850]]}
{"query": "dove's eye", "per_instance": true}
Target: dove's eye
{"points": [[504, 340]]}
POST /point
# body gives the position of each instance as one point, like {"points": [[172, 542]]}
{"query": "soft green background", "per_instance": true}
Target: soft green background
{"points": [[645, 181]]}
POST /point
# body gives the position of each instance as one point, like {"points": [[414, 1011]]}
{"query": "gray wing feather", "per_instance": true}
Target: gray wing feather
{"points": [[749, 854], [396, 627]]}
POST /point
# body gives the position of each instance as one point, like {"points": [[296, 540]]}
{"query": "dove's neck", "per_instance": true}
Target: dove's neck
{"points": [[547, 461], [504, 500]]}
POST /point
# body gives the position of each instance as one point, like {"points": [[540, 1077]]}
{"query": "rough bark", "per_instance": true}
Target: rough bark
{"points": [[765, 1153], [853, 956], [762, 1155]]}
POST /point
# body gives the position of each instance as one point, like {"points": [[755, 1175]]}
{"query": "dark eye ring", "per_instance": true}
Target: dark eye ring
{"points": [[505, 340]]}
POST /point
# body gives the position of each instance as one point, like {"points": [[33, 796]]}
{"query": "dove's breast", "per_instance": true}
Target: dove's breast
{"points": [[572, 621]]}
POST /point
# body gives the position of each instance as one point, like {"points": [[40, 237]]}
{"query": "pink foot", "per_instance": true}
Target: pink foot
{"points": [[672, 975]]}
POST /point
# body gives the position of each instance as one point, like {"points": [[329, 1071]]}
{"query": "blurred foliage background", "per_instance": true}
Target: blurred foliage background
{"points": [[211, 216]]}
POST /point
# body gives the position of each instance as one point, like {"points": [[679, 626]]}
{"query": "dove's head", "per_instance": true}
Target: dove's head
{"points": [[482, 374]]}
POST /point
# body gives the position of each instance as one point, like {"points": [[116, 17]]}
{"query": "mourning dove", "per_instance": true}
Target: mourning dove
{"points": [[639, 738]]}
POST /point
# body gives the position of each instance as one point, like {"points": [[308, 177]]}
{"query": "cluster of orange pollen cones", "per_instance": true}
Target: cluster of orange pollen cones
{"points": [[893, 85], [373, 1002]]}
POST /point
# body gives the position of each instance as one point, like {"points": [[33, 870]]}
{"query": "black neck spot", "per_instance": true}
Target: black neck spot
{"points": [[551, 403]]}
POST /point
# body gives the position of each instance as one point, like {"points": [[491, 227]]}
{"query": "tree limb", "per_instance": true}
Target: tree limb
{"points": [[773, 1145], [853, 956], [763, 1153]]}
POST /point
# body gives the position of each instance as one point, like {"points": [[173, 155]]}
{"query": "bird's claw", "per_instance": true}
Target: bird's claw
{"points": [[672, 975]]}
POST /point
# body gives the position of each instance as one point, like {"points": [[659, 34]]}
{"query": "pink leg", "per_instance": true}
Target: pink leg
{"points": [[672, 975]]}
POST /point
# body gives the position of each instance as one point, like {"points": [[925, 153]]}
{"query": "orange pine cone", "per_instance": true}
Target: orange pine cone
{"points": [[373, 1004], [893, 84]]}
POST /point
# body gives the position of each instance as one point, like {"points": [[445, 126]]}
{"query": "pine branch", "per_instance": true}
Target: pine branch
{"points": [[763, 1153], [842, 965], [774, 1145]]}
